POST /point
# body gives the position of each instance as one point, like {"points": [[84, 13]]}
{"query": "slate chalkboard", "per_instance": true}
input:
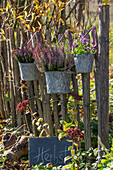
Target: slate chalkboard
{"points": [[48, 150]]}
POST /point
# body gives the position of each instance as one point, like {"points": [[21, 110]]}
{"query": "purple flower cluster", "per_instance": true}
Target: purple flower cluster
{"points": [[110, 117], [22, 106], [81, 45], [75, 134], [51, 58], [24, 55], [82, 39]]}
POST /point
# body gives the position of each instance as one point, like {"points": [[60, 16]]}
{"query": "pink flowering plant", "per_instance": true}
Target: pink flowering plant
{"points": [[51, 57], [82, 45], [24, 55]]}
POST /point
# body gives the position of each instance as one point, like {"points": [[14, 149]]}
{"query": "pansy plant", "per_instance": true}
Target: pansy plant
{"points": [[82, 45]]}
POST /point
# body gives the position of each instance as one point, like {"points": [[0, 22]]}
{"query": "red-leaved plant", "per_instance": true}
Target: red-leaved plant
{"points": [[23, 106], [75, 134]]}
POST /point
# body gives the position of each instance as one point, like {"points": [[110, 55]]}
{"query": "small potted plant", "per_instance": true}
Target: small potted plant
{"points": [[84, 51], [28, 69], [56, 63]]}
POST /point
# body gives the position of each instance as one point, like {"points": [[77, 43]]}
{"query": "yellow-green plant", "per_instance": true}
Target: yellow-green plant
{"points": [[76, 136], [107, 159]]}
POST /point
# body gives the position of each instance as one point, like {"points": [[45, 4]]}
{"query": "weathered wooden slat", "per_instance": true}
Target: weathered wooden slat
{"points": [[45, 103], [103, 84], [86, 104], [63, 98], [36, 83], [16, 78], [63, 106], [86, 108], [10, 79], [28, 121], [39, 103], [31, 99], [1, 84], [1, 93], [96, 69], [55, 111], [47, 107], [22, 40], [4, 63]]}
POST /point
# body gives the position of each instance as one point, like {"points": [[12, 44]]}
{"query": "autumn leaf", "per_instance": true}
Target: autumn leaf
{"points": [[86, 3], [2, 31], [50, 165], [8, 6], [105, 2], [2, 121], [56, 4], [68, 2], [71, 26]]}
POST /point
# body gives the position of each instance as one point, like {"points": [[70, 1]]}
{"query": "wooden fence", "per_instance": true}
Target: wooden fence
{"points": [[19, 90], [13, 90]]}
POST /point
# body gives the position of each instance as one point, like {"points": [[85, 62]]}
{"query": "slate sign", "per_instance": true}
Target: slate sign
{"points": [[48, 150]]}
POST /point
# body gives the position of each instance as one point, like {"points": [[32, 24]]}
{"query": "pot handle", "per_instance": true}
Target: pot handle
{"points": [[93, 27], [71, 41]]}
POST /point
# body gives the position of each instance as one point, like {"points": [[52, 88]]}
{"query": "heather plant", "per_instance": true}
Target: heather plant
{"points": [[50, 57], [24, 55]]}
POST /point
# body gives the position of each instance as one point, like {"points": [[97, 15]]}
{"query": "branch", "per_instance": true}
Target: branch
{"points": [[72, 9]]}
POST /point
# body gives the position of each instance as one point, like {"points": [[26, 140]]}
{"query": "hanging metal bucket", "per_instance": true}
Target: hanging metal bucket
{"points": [[28, 71], [84, 63], [58, 82]]}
